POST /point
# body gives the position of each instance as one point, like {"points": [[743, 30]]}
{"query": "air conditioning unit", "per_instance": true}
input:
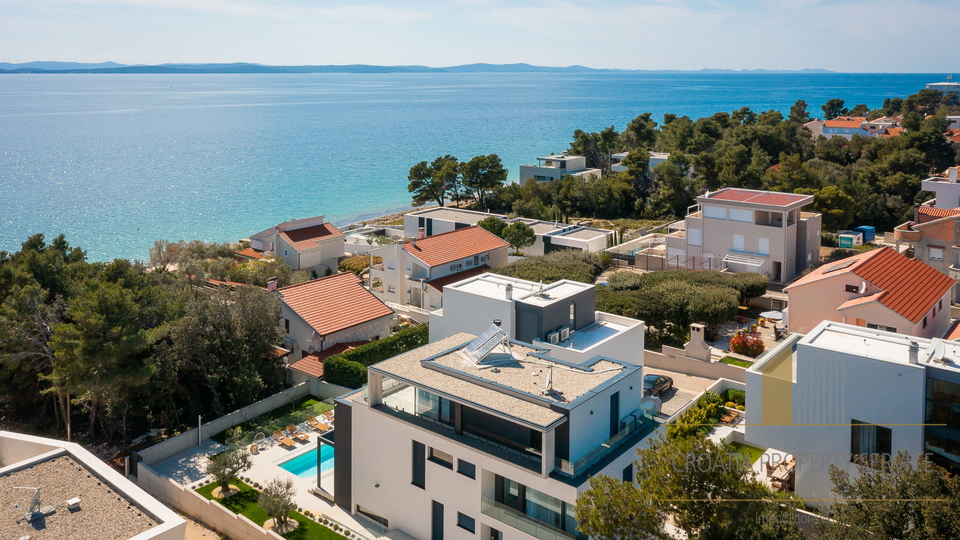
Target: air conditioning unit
{"points": [[564, 333], [553, 337]]}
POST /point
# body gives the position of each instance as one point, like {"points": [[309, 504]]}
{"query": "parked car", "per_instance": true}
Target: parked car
{"points": [[655, 385]]}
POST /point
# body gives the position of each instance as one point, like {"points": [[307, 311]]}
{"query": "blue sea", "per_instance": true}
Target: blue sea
{"points": [[118, 161]]}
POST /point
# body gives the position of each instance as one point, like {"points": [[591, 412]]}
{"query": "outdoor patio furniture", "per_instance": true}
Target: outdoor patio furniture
{"points": [[729, 417], [254, 449], [328, 414], [316, 424], [278, 435], [295, 433]]}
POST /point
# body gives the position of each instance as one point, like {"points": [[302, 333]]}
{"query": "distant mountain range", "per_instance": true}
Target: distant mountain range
{"points": [[112, 67]]}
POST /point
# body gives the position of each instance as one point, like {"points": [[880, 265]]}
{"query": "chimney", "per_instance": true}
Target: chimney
{"points": [[509, 291], [421, 233], [952, 174], [916, 212], [272, 284], [497, 322], [914, 349]]}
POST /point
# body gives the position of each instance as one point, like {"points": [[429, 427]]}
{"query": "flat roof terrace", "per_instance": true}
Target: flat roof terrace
{"points": [[494, 286], [583, 234], [514, 385], [104, 513], [452, 214]]}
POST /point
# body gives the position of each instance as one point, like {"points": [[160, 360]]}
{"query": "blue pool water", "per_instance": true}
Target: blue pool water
{"points": [[305, 465]]}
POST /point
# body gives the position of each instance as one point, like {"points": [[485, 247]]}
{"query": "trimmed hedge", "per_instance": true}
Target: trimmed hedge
{"points": [[569, 264], [350, 368]]}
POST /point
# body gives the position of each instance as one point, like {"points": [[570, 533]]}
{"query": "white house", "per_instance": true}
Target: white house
{"points": [[745, 230], [438, 220], [555, 167], [560, 317], [846, 127], [842, 390], [485, 436], [946, 189], [415, 272], [550, 236], [303, 244], [324, 312], [656, 158], [70, 493]]}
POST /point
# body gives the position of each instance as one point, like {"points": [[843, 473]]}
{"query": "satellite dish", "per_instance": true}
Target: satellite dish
{"points": [[650, 406], [863, 287], [939, 351]]}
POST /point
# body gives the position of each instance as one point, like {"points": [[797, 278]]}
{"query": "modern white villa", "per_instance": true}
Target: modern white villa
{"points": [[745, 230], [842, 390], [560, 317], [555, 167], [63, 491], [437, 220], [656, 158], [487, 436]]}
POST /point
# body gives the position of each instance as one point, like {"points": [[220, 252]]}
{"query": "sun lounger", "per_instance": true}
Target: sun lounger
{"points": [[328, 414], [316, 424], [295, 433], [278, 435]]}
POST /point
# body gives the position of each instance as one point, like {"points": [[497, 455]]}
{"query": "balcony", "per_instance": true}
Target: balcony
{"points": [[677, 229], [522, 522], [905, 233], [635, 426]]}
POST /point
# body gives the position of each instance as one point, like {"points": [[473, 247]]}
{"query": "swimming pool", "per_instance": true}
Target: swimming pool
{"points": [[305, 465]]}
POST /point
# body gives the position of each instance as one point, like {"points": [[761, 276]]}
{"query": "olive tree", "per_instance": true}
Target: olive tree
{"points": [[276, 500]]}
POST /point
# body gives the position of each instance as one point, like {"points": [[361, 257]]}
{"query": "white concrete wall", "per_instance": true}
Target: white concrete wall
{"points": [[174, 445], [831, 389], [590, 421], [465, 312], [696, 368], [626, 346], [303, 334], [408, 507]]}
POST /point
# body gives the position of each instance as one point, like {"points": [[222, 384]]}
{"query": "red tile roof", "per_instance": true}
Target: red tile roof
{"points": [[953, 331], [439, 283], [454, 245], [891, 132], [333, 303], [910, 287], [930, 213], [771, 198], [845, 122], [307, 237], [248, 253], [312, 364]]}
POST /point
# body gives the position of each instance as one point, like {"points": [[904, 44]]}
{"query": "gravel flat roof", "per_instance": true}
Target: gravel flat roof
{"points": [[455, 375], [104, 513]]}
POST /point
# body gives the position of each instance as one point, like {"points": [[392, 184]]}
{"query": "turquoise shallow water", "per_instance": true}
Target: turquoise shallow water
{"points": [[117, 161], [305, 465]]}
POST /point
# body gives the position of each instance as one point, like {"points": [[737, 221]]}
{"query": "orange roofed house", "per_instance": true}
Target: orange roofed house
{"points": [[414, 273], [303, 244], [321, 314], [878, 289]]}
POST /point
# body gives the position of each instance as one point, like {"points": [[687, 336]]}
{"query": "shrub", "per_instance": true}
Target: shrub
{"points": [[338, 370], [358, 264], [377, 351], [730, 405], [493, 224], [747, 344], [736, 396], [567, 264], [624, 280], [605, 258], [741, 408]]}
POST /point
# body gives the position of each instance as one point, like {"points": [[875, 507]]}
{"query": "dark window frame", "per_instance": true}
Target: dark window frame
{"points": [[418, 476], [883, 440], [472, 474], [462, 518], [851, 288], [440, 460]]}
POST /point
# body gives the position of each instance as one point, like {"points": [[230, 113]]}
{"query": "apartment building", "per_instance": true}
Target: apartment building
{"points": [[61, 490], [487, 436], [745, 230], [934, 234], [879, 289], [560, 317], [555, 167], [414, 273], [842, 390], [324, 312], [303, 244]]}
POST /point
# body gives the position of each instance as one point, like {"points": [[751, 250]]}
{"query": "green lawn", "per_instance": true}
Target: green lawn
{"points": [[736, 361], [752, 452], [245, 503], [279, 418]]}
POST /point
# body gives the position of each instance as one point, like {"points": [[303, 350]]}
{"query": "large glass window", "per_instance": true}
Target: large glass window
{"points": [[536, 505], [715, 212], [869, 439], [434, 407], [419, 465], [746, 216], [942, 433]]}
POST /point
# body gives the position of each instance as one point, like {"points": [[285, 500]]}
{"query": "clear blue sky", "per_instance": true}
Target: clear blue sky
{"points": [[842, 35]]}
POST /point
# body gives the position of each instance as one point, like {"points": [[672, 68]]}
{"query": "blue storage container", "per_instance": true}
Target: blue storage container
{"points": [[869, 233]]}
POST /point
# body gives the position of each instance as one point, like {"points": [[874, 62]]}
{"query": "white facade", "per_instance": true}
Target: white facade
{"points": [[945, 189], [555, 167], [532, 314], [656, 158], [403, 278], [467, 490], [945, 87], [18, 452], [442, 220], [809, 395]]}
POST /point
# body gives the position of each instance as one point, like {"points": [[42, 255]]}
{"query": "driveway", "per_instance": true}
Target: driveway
{"points": [[685, 388]]}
